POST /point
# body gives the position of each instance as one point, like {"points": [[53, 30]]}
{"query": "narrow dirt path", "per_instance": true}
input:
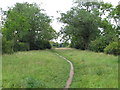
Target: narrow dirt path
{"points": [[69, 81]]}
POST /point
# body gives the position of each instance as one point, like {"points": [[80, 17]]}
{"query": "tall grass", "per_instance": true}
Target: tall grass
{"points": [[92, 70], [44, 69], [34, 69]]}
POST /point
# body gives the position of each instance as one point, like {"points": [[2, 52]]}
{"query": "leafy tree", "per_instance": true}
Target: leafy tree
{"points": [[100, 43], [26, 23], [81, 27], [89, 25], [7, 46]]}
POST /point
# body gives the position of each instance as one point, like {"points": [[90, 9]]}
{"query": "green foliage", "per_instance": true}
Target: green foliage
{"points": [[107, 27], [40, 44], [43, 44], [65, 44], [48, 45], [81, 28], [15, 25], [0, 44], [113, 48], [54, 44], [115, 14], [86, 27], [20, 46], [100, 43], [27, 23], [7, 46]]}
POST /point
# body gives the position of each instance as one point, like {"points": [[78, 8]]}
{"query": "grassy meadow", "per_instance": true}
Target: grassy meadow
{"points": [[34, 69], [92, 70], [35, 44], [44, 69]]}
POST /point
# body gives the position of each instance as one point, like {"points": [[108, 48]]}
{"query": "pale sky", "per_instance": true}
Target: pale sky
{"points": [[51, 7]]}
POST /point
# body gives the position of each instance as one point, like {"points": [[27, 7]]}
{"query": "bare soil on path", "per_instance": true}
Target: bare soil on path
{"points": [[63, 48], [71, 73]]}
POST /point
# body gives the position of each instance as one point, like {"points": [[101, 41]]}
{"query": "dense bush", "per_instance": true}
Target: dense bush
{"points": [[10, 47], [48, 45], [40, 44], [65, 44], [7, 46], [113, 48], [77, 44], [0, 45], [20, 46], [99, 44]]}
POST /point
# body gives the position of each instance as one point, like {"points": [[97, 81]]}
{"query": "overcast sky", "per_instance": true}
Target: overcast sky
{"points": [[51, 6]]}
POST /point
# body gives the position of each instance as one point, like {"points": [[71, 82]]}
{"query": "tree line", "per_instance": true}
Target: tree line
{"points": [[88, 26]]}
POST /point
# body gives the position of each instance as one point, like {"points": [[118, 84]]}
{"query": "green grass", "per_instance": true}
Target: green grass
{"points": [[0, 70], [92, 70], [44, 69], [34, 69]]}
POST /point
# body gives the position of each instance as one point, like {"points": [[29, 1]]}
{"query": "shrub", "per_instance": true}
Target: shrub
{"points": [[40, 44], [65, 44], [23, 46], [20, 46], [113, 48], [55, 45], [0, 45], [99, 44], [78, 44], [7, 46], [48, 45]]}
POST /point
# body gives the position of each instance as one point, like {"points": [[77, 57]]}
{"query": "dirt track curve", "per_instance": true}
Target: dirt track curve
{"points": [[71, 73]]}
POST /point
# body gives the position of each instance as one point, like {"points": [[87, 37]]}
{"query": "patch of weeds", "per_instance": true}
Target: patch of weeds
{"points": [[99, 72], [30, 82]]}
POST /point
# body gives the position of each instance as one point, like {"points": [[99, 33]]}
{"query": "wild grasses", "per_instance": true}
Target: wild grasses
{"points": [[44, 69], [0, 70], [34, 69], [92, 70]]}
